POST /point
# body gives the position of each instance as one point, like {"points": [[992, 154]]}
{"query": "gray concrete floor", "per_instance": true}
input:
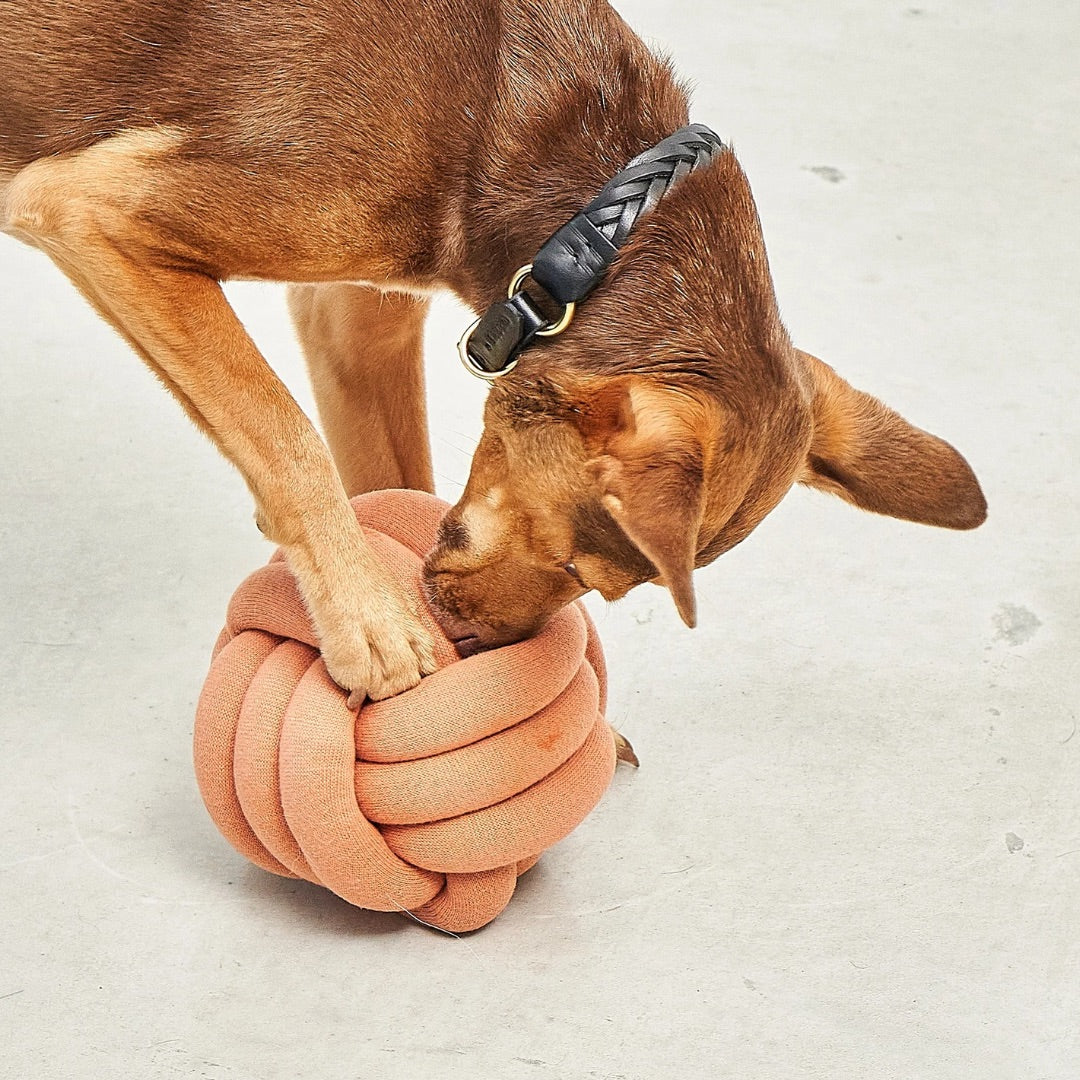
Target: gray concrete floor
{"points": [[853, 849]]}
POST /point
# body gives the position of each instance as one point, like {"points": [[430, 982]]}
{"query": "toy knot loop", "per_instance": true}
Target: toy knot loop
{"points": [[431, 802]]}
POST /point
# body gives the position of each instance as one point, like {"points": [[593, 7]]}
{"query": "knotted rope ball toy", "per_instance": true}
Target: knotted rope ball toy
{"points": [[432, 802]]}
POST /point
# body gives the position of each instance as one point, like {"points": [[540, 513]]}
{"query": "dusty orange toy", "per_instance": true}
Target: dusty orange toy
{"points": [[431, 802]]}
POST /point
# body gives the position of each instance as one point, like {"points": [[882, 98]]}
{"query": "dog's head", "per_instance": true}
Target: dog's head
{"points": [[661, 429]]}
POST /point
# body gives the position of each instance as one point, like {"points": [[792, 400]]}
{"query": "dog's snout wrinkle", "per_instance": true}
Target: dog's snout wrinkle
{"points": [[453, 534]]}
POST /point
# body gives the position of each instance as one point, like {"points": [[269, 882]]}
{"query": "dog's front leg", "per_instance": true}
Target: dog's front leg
{"points": [[180, 323], [364, 350]]}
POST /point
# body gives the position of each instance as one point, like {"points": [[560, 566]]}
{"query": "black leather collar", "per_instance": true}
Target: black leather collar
{"points": [[575, 259]]}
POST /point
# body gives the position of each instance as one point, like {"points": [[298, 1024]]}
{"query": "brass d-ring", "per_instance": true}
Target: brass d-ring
{"points": [[561, 325], [471, 366], [517, 279], [552, 329]]}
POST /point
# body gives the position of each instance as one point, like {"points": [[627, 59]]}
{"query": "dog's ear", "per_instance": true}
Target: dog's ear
{"points": [[872, 457], [646, 460]]}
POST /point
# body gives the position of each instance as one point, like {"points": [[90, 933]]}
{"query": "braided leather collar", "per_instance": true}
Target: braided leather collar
{"points": [[575, 259]]}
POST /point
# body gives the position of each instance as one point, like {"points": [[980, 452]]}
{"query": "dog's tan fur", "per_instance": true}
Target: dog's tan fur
{"points": [[155, 148]]}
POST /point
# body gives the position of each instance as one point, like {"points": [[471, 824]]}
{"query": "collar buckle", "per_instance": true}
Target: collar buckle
{"points": [[492, 344]]}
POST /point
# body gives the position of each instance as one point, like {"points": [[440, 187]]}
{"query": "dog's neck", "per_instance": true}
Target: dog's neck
{"points": [[573, 100]]}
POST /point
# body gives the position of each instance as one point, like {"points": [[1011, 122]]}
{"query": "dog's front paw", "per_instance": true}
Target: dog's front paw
{"points": [[378, 648]]}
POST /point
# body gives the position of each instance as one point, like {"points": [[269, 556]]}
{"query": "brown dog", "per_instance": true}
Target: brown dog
{"points": [[155, 148]]}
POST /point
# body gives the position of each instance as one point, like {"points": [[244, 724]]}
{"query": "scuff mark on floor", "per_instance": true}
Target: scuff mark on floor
{"points": [[827, 172], [1015, 625]]}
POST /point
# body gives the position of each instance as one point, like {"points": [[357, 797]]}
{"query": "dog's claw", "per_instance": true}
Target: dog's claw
{"points": [[624, 752]]}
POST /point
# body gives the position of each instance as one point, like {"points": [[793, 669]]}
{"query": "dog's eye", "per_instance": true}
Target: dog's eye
{"points": [[573, 571]]}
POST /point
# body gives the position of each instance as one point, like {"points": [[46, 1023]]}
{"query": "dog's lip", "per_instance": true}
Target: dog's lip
{"points": [[465, 636], [466, 640], [468, 645]]}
